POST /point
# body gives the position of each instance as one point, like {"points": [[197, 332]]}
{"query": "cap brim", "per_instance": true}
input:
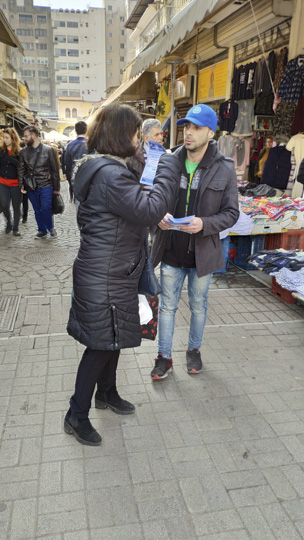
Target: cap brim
{"points": [[191, 119]]}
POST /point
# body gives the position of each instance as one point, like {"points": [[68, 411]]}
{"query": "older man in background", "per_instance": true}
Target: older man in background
{"points": [[152, 131]]}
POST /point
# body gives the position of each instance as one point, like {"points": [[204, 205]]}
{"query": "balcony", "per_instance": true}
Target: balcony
{"points": [[164, 15], [10, 90]]}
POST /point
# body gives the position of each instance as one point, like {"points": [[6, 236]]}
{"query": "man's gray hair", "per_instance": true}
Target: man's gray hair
{"points": [[150, 124]]}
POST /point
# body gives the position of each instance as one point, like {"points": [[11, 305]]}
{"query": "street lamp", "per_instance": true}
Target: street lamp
{"points": [[173, 61]]}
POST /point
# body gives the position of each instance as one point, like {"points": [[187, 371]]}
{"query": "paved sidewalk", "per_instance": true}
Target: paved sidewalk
{"points": [[218, 456]]}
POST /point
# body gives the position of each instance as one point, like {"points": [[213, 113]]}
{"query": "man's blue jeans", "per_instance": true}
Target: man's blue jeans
{"points": [[41, 200], [171, 280]]}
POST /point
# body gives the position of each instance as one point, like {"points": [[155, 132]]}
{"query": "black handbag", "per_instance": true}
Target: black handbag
{"points": [[57, 204], [29, 181], [148, 283]]}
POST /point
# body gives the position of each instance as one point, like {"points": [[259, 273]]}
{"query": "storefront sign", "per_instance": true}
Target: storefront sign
{"points": [[212, 82]]}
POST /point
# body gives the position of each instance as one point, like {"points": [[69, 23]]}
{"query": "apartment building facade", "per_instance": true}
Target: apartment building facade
{"points": [[33, 27], [116, 38], [79, 53]]}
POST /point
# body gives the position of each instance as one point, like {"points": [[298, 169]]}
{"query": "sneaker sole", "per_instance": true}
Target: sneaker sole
{"points": [[102, 405], [70, 431], [194, 371], [40, 237], [159, 378]]}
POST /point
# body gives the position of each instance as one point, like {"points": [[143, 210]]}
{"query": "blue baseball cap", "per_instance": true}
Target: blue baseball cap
{"points": [[200, 115]]}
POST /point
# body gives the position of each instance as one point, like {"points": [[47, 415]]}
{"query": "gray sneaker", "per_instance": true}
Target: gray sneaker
{"points": [[194, 362], [53, 233]]}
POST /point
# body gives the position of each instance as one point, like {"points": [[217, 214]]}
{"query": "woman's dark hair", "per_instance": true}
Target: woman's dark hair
{"points": [[113, 130]]}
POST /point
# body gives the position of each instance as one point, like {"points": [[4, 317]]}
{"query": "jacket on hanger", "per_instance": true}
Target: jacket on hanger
{"points": [[228, 114], [277, 168], [292, 81]]}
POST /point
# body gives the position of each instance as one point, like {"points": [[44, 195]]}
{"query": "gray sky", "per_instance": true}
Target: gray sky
{"points": [[69, 4]]}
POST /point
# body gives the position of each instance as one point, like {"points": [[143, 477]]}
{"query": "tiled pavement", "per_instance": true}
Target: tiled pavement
{"points": [[219, 456]]}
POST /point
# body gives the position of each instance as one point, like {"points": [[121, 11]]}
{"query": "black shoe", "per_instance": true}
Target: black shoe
{"points": [[82, 430], [163, 366], [8, 228], [194, 361], [24, 220], [16, 233], [112, 399]]}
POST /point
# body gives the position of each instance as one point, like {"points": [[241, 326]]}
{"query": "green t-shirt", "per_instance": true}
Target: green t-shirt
{"points": [[191, 167]]}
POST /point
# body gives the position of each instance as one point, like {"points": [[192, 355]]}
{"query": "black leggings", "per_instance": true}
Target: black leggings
{"points": [[96, 367], [8, 194]]}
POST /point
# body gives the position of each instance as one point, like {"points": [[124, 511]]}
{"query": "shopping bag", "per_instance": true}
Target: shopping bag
{"points": [[57, 204], [149, 330]]}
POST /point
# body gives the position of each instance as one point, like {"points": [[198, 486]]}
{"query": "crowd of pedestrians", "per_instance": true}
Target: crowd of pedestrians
{"points": [[114, 212]]}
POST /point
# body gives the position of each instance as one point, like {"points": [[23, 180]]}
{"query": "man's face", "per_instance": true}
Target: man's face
{"points": [[268, 143], [28, 138], [196, 137], [156, 135]]}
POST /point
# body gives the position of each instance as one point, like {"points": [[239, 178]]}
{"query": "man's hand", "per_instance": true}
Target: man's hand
{"points": [[163, 225], [195, 226], [56, 192], [23, 191]]}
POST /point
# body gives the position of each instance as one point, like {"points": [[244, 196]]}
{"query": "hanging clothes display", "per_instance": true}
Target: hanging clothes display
{"points": [[241, 155], [245, 119], [296, 144], [243, 79], [291, 179], [277, 168], [261, 81], [298, 123], [283, 120], [228, 114], [280, 67], [264, 104], [226, 145], [292, 81]]}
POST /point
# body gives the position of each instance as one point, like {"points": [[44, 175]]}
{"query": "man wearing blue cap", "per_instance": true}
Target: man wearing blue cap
{"points": [[208, 190]]}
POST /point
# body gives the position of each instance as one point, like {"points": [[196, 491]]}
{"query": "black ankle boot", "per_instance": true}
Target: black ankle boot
{"points": [[112, 399], [82, 430]]}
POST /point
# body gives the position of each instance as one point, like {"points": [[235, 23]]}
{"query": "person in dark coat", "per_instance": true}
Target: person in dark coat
{"points": [[300, 177], [75, 150], [113, 216], [9, 190]]}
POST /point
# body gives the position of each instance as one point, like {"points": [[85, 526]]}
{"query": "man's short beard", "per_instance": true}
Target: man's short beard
{"points": [[30, 143]]}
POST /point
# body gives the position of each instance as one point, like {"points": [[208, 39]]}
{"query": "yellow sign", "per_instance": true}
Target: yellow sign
{"points": [[212, 82], [23, 91]]}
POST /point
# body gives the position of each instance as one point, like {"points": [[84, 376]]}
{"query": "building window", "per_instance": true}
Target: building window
{"points": [[40, 33], [62, 92], [28, 60], [43, 60], [122, 46], [60, 65], [28, 73], [74, 80], [73, 39], [41, 18], [73, 66], [3, 6], [121, 72], [59, 23], [28, 46], [60, 39], [110, 61], [24, 32], [43, 73], [88, 52], [45, 100], [110, 21], [109, 48], [110, 74], [109, 8], [122, 32], [60, 52], [122, 19], [87, 24], [74, 113], [61, 79], [73, 52], [40, 46], [25, 18], [75, 93], [67, 113], [72, 24], [110, 34], [88, 65], [122, 59]]}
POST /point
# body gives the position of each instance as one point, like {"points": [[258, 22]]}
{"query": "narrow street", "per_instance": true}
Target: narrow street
{"points": [[218, 456]]}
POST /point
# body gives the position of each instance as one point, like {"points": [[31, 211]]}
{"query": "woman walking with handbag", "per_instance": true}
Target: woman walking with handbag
{"points": [[9, 190], [113, 216]]}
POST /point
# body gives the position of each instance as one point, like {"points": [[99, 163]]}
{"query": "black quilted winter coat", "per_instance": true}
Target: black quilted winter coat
{"points": [[113, 215]]}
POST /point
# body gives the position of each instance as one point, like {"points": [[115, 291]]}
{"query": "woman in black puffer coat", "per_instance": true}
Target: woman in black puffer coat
{"points": [[113, 216]]}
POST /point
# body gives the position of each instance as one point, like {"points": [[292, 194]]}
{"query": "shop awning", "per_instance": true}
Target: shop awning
{"points": [[175, 31], [138, 88], [137, 12], [7, 101], [7, 34], [18, 118]]}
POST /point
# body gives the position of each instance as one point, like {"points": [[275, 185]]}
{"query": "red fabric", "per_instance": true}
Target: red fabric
{"points": [[11, 182], [149, 330]]}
